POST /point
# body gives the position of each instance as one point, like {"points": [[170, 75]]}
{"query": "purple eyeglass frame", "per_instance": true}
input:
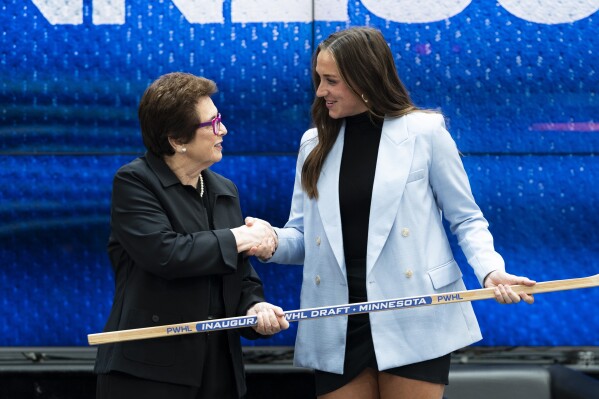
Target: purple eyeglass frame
{"points": [[215, 122]]}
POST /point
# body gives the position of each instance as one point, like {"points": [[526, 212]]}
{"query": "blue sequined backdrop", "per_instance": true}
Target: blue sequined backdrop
{"points": [[517, 83]]}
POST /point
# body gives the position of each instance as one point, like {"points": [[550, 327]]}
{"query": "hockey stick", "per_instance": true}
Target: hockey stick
{"points": [[336, 310]]}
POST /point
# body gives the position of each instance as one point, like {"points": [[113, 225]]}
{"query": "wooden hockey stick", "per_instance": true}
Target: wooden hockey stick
{"points": [[336, 310]]}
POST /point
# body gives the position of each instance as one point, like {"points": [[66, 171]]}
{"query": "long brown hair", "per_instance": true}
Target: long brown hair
{"points": [[366, 65]]}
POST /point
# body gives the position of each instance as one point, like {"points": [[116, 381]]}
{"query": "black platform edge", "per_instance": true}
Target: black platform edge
{"points": [[280, 359]]}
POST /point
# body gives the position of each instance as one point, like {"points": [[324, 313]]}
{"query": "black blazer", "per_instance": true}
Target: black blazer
{"points": [[163, 254]]}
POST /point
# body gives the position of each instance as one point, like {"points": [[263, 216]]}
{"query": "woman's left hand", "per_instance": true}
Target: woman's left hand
{"points": [[271, 318], [501, 281]]}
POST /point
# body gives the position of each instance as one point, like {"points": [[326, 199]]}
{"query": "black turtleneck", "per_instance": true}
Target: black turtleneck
{"points": [[358, 166]]}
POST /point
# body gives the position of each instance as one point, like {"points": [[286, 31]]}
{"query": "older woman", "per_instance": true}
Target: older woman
{"points": [[177, 248]]}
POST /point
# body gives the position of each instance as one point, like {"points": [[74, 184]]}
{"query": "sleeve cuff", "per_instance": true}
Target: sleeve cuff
{"points": [[228, 247]]}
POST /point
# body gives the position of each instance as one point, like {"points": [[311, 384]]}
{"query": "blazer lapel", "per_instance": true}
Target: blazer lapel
{"points": [[328, 199], [395, 155]]}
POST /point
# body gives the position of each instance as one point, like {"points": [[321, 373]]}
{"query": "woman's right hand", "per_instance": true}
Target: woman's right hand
{"points": [[256, 237], [271, 318], [263, 252]]}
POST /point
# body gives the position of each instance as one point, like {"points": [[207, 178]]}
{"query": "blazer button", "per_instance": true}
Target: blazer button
{"points": [[409, 273], [405, 232], [318, 241], [317, 279], [155, 318]]}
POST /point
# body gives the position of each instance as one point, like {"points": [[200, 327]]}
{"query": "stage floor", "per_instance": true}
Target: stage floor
{"points": [[523, 372]]}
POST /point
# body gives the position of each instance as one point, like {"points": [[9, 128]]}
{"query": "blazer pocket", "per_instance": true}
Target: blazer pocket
{"points": [[416, 175], [155, 352], [447, 273]]}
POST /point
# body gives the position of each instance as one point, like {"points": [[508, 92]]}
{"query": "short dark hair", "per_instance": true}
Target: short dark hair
{"points": [[167, 109]]}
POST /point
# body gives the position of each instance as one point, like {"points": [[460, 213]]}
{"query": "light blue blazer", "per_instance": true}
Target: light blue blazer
{"points": [[419, 179]]}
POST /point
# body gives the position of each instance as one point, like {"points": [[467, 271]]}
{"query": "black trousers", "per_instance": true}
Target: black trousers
{"points": [[117, 385]]}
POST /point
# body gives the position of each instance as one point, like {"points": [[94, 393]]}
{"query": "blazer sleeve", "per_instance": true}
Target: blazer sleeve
{"points": [[252, 292], [453, 195], [140, 224], [291, 249]]}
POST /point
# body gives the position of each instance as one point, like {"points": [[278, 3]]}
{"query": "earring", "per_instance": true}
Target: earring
{"points": [[364, 98], [183, 149]]}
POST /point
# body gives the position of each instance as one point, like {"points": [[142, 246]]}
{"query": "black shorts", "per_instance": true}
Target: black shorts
{"points": [[434, 370], [359, 355]]}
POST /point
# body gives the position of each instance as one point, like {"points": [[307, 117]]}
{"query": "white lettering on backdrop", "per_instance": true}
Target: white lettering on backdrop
{"points": [[70, 12]]}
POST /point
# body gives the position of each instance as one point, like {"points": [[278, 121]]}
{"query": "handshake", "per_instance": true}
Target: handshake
{"points": [[256, 238]]}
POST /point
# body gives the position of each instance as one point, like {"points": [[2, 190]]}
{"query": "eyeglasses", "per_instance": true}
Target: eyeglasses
{"points": [[215, 124]]}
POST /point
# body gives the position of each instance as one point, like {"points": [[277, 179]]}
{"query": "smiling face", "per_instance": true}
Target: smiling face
{"points": [[339, 98], [205, 148]]}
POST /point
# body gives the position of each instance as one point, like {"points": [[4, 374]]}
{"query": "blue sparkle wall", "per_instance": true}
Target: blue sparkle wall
{"points": [[516, 79]]}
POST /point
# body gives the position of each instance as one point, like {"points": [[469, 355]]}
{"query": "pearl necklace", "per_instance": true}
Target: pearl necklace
{"points": [[201, 185]]}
